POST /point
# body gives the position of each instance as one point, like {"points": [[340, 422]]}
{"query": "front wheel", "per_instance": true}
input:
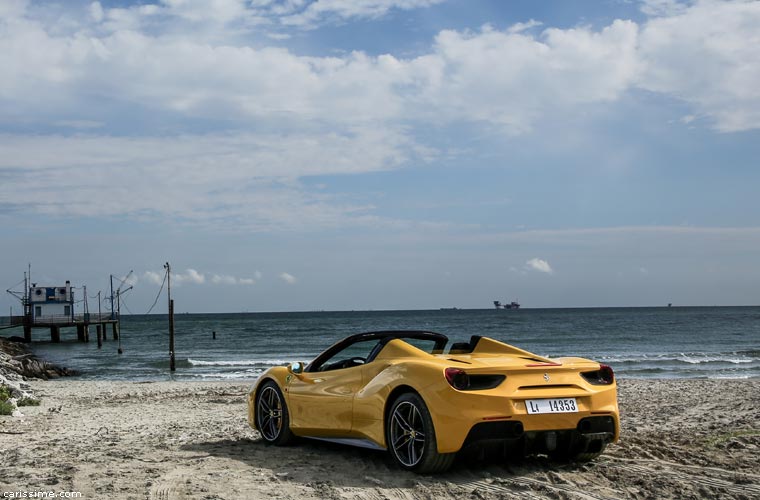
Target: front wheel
{"points": [[272, 418], [410, 436]]}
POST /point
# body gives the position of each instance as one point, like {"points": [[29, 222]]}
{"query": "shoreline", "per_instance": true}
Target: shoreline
{"points": [[680, 438]]}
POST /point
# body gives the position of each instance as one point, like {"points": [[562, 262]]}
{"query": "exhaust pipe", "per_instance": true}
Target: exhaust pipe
{"points": [[517, 429]]}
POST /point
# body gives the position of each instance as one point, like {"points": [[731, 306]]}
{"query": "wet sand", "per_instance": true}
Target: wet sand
{"points": [[174, 440]]}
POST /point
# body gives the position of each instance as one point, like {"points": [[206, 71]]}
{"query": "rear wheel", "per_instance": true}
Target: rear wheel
{"points": [[410, 436], [272, 418]]}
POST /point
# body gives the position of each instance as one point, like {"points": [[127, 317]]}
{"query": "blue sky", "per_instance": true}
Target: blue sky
{"points": [[383, 154]]}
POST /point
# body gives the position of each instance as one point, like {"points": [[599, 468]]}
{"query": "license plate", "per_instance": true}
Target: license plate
{"points": [[558, 405]]}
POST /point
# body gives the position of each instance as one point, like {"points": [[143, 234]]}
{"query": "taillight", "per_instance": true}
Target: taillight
{"points": [[603, 376], [457, 378]]}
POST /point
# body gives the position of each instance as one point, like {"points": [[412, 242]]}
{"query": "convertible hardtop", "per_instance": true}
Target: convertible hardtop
{"points": [[440, 340], [478, 352]]}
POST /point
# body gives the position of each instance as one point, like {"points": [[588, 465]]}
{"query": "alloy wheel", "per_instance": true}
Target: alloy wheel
{"points": [[407, 434], [269, 413]]}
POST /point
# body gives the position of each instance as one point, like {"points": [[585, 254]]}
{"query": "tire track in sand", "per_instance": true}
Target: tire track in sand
{"points": [[502, 486], [704, 476]]}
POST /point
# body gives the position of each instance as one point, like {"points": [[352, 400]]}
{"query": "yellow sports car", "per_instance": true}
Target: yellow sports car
{"points": [[404, 392]]}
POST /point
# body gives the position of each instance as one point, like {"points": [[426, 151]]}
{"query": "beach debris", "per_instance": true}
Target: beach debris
{"points": [[11, 392]]}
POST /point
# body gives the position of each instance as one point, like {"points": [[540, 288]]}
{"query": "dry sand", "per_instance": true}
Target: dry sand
{"points": [[170, 440]]}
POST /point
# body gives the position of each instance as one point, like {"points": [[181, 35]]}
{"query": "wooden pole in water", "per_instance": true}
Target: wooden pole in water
{"points": [[27, 314], [100, 318], [99, 329], [172, 365]]}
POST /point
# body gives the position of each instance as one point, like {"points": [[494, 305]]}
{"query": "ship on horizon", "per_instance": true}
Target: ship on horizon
{"points": [[512, 305]]}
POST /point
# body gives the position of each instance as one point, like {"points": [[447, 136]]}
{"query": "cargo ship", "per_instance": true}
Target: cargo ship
{"points": [[512, 305]]}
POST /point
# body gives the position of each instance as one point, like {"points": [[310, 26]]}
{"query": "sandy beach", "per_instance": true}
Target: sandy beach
{"points": [[171, 440]]}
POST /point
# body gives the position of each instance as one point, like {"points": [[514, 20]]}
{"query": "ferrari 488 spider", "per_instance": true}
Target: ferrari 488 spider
{"points": [[405, 392]]}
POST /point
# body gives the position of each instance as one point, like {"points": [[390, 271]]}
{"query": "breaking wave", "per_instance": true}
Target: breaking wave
{"points": [[250, 362]]}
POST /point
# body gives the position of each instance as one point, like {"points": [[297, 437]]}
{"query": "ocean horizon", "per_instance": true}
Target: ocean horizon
{"points": [[638, 342]]}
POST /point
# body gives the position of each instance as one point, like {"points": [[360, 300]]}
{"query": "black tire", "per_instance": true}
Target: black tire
{"points": [[272, 417], [410, 436]]}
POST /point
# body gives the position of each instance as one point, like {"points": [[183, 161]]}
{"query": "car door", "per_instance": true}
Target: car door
{"points": [[321, 402]]}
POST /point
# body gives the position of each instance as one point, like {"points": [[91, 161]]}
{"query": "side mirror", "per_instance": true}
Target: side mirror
{"points": [[296, 368]]}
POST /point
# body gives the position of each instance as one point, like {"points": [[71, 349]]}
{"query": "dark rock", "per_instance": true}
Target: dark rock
{"points": [[17, 359]]}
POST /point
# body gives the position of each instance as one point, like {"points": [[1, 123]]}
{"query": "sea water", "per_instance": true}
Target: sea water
{"points": [[677, 342]]}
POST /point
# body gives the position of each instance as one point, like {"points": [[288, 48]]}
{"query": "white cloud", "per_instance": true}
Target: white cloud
{"points": [[506, 78], [288, 278], [130, 279], [344, 114], [707, 55], [11, 9], [514, 79], [222, 11], [154, 277], [520, 27], [192, 276], [96, 12], [342, 9], [703, 53], [223, 279], [540, 265], [243, 180], [189, 276], [662, 7]]}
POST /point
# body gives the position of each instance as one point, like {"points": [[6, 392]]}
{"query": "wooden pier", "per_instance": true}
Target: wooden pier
{"points": [[52, 307], [82, 323]]}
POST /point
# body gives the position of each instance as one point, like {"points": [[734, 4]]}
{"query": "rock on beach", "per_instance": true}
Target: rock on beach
{"points": [[18, 365]]}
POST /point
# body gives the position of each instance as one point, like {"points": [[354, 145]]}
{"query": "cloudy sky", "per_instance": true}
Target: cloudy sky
{"points": [[383, 154]]}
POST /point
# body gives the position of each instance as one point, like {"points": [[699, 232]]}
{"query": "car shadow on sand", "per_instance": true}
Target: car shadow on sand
{"points": [[310, 462]]}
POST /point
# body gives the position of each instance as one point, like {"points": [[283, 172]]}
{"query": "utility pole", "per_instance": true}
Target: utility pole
{"points": [[118, 316], [119, 291], [172, 366], [99, 327]]}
